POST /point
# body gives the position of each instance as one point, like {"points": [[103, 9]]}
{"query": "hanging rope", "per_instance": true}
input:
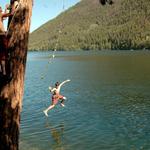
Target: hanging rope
{"points": [[51, 58], [59, 32]]}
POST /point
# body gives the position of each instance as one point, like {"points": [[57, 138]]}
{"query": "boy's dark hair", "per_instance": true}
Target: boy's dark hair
{"points": [[57, 84]]}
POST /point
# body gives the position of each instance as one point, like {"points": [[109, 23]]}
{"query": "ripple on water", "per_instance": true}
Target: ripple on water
{"points": [[107, 106]]}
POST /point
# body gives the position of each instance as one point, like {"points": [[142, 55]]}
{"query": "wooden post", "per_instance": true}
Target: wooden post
{"points": [[11, 89]]}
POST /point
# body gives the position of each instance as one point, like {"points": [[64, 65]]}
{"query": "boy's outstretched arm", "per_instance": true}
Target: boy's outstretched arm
{"points": [[68, 80], [6, 15], [64, 82]]}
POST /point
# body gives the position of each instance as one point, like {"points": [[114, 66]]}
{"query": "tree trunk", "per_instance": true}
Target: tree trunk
{"points": [[11, 88]]}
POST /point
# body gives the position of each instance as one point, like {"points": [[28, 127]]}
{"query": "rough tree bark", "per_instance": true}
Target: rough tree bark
{"points": [[11, 89]]}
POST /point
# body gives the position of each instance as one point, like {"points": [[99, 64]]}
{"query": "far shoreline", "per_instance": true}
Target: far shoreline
{"points": [[80, 50]]}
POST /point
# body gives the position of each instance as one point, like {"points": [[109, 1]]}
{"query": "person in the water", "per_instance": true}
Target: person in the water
{"points": [[56, 96]]}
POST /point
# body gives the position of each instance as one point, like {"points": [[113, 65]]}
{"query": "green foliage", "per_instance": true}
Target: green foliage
{"points": [[91, 26]]}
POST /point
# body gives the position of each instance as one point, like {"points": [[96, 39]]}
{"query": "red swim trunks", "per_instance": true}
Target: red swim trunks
{"points": [[56, 98]]}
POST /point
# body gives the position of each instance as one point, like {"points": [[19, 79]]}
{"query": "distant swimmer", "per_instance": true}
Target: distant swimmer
{"points": [[56, 96]]}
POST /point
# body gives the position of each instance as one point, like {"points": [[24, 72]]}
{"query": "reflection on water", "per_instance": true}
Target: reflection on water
{"points": [[107, 106], [56, 133]]}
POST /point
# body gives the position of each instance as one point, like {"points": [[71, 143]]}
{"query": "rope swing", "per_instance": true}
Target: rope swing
{"points": [[53, 55]]}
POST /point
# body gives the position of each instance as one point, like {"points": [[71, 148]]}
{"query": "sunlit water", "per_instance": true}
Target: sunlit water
{"points": [[107, 106]]}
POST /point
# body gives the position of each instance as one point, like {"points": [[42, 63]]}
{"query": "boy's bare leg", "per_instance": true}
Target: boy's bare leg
{"points": [[3, 67], [62, 101], [49, 108], [62, 104], [0, 68]]}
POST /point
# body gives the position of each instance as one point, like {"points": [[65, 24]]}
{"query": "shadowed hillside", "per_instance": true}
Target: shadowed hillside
{"points": [[90, 25]]}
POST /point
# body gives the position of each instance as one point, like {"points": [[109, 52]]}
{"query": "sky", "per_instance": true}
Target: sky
{"points": [[45, 10]]}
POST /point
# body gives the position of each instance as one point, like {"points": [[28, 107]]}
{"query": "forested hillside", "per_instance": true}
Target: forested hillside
{"points": [[91, 26]]}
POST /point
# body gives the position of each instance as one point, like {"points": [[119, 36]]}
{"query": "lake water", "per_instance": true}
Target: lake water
{"points": [[107, 106]]}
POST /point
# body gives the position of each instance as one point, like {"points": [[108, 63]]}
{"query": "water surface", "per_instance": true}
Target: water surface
{"points": [[107, 107]]}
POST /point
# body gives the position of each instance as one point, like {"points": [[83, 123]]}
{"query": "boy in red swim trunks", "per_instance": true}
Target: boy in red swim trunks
{"points": [[3, 36], [3, 42], [56, 96]]}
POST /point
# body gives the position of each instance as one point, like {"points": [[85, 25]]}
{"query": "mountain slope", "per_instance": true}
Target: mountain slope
{"points": [[89, 25]]}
